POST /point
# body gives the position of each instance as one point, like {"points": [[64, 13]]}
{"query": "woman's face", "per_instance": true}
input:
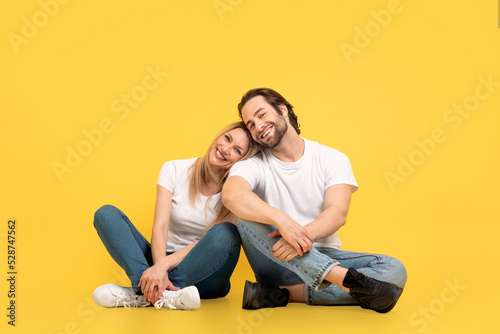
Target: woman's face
{"points": [[229, 148]]}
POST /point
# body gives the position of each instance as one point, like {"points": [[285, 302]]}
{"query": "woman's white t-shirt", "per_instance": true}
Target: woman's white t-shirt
{"points": [[188, 222]]}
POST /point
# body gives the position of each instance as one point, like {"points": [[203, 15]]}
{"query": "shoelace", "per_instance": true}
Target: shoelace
{"points": [[130, 301], [365, 284], [138, 302], [170, 300]]}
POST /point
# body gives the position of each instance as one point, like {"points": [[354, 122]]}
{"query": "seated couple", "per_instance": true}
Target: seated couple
{"points": [[291, 197]]}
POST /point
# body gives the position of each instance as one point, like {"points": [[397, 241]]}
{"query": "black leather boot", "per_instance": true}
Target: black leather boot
{"points": [[261, 295], [371, 293]]}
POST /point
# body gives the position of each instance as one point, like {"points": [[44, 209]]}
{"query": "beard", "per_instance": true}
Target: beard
{"points": [[280, 129]]}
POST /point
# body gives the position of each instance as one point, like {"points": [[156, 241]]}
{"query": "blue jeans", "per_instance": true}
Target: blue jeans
{"points": [[311, 268], [208, 266]]}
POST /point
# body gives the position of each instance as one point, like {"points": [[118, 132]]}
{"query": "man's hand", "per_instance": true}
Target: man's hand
{"points": [[297, 236], [238, 197], [282, 250], [154, 281]]}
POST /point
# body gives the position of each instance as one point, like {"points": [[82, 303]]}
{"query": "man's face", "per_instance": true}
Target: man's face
{"points": [[264, 123]]}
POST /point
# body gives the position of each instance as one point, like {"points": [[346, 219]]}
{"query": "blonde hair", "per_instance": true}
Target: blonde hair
{"points": [[202, 170]]}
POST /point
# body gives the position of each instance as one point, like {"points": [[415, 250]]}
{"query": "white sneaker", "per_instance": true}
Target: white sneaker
{"points": [[112, 295], [183, 299]]}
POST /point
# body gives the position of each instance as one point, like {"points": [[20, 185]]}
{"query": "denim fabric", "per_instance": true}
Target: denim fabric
{"points": [[208, 266], [311, 268]]}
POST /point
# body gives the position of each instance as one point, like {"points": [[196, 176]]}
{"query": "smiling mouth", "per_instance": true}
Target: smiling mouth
{"points": [[266, 133], [219, 155]]}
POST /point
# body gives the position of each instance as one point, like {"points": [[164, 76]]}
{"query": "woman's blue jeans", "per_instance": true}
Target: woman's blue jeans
{"points": [[311, 268], [208, 266]]}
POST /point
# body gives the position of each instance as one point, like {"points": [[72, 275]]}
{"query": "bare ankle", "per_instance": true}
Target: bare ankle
{"points": [[297, 293], [336, 276]]}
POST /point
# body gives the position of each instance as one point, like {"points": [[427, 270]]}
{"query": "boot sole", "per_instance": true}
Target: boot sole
{"points": [[391, 306], [387, 308]]}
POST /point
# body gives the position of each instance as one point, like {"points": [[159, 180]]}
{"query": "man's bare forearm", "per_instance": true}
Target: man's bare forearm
{"points": [[247, 205], [238, 197], [327, 223], [334, 215]]}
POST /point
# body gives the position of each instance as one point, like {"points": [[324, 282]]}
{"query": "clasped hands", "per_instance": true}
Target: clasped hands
{"points": [[154, 281], [295, 240]]}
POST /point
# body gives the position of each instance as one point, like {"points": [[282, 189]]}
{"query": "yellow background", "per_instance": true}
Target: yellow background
{"points": [[373, 105]]}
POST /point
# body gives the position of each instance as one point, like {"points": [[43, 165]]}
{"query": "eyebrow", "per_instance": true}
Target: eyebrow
{"points": [[254, 114], [237, 146]]}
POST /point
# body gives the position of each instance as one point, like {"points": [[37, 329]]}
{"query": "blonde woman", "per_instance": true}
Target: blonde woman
{"points": [[194, 245]]}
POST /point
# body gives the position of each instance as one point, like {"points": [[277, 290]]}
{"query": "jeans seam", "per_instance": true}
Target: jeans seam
{"points": [[322, 274], [309, 299]]}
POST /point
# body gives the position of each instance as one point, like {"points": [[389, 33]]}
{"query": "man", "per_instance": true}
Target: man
{"points": [[292, 199]]}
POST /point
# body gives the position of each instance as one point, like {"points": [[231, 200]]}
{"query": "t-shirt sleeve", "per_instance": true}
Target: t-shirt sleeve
{"points": [[167, 178], [249, 170], [338, 170]]}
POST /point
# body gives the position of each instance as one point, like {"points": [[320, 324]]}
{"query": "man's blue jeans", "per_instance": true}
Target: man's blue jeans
{"points": [[208, 266], [311, 268]]}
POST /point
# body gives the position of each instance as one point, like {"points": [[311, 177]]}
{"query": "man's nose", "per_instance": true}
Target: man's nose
{"points": [[259, 124]]}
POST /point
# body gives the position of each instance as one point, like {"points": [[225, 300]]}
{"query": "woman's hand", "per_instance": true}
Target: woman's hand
{"points": [[154, 282]]}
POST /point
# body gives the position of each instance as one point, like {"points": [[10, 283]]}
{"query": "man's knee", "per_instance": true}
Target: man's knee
{"points": [[399, 272], [242, 227], [246, 227]]}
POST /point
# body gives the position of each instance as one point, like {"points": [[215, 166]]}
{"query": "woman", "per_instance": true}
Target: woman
{"points": [[194, 245]]}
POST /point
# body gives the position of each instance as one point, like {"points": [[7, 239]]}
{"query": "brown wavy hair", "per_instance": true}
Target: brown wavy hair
{"points": [[274, 99]]}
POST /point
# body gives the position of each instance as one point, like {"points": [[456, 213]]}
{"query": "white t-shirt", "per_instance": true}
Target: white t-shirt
{"points": [[188, 222], [298, 188]]}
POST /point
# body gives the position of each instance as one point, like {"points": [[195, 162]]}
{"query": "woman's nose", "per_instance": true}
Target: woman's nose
{"points": [[225, 150]]}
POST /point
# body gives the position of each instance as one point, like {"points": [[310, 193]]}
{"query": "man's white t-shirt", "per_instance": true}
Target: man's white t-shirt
{"points": [[188, 222], [298, 188]]}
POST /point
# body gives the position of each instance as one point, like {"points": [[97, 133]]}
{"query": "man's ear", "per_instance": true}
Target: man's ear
{"points": [[283, 109]]}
